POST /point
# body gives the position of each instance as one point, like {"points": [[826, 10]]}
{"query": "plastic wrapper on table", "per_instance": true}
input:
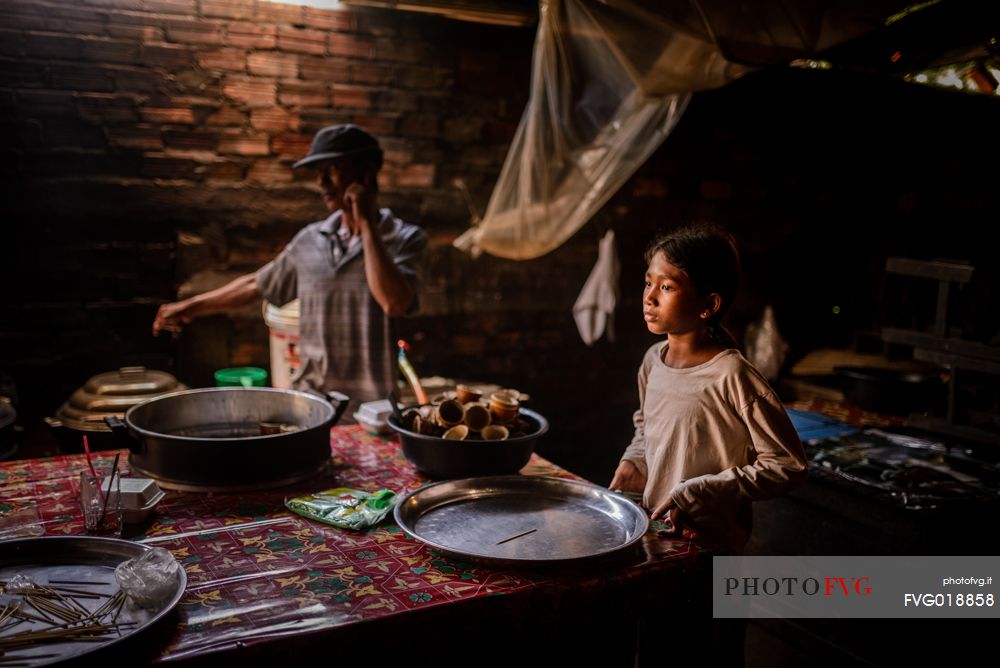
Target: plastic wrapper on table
{"points": [[19, 584], [20, 522], [345, 507], [149, 579]]}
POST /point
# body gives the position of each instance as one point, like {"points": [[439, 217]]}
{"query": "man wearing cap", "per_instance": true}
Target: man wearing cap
{"points": [[346, 302]]}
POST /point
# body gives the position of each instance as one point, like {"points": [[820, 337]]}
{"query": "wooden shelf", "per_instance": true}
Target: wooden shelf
{"points": [[934, 269], [957, 355], [971, 350]]}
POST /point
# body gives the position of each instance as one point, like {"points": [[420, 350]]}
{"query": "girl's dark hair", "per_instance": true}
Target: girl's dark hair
{"points": [[707, 254]]}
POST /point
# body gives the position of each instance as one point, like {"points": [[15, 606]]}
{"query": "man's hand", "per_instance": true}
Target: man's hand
{"points": [[628, 478], [360, 212], [237, 292], [172, 317]]}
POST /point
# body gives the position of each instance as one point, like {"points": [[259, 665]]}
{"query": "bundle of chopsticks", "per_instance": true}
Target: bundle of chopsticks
{"points": [[54, 614]]}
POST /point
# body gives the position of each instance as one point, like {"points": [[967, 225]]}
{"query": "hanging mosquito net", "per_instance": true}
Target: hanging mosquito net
{"points": [[611, 78], [609, 82]]}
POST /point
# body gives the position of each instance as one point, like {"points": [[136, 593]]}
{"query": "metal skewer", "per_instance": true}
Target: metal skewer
{"points": [[524, 533]]}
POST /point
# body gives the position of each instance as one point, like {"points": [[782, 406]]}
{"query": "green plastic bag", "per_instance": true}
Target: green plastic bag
{"points": [[345, 507]]}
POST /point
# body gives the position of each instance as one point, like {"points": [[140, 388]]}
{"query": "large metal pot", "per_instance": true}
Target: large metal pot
{"points": [[231, 438]]}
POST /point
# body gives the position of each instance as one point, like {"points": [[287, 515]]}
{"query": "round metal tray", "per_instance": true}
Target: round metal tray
{"points": [[56, 560], [521, 520]]}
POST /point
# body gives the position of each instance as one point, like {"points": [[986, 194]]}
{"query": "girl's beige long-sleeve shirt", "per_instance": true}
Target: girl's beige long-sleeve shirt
{"points": [[714, 437]]}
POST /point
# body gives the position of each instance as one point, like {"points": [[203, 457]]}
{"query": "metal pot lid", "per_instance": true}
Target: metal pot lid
{"points": [[111, 394], [131, 381], [81, 400], [72, 418]]}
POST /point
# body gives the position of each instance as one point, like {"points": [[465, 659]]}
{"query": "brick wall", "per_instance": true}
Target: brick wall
{"points": [[146, 148], [149, 144]]}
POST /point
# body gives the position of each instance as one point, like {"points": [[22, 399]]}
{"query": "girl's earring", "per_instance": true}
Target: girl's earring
{"points": [[705, 314]]}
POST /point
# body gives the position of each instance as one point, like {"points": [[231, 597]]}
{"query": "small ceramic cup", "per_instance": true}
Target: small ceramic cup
{"points": [[503, 406], [495, 432], [409, 418], [477, 416], [457, 433], [449, 413], [466, 394], [422, 425]]}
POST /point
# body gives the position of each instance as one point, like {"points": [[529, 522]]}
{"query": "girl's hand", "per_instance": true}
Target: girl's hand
{"points": [[672, 514], [628, 478]]}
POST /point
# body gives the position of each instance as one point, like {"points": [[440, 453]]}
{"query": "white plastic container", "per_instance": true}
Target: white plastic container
{"points": [[283, 323], [139, 498], [372, 416]]}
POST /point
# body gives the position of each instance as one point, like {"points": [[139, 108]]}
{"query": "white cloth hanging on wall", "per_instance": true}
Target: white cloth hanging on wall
{"points": [[594, 310]]}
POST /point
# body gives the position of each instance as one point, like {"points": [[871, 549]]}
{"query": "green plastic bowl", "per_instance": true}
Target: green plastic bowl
{"points": [[242, 376]]}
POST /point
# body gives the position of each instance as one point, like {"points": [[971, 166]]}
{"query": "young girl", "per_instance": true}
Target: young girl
{"points": [[710, 434]]}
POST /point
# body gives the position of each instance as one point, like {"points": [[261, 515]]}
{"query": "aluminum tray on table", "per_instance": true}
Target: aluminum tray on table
{"points": [[71, 565], [521, 520]]}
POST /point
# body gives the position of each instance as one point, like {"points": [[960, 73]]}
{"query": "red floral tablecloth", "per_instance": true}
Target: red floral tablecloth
{"points": [[257, 572]]}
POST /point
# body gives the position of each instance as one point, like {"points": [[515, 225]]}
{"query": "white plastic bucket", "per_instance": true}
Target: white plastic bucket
{"points": [[284, 339]]}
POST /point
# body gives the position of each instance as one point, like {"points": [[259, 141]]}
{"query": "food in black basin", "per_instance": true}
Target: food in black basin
{"points": [[441, 458]]}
